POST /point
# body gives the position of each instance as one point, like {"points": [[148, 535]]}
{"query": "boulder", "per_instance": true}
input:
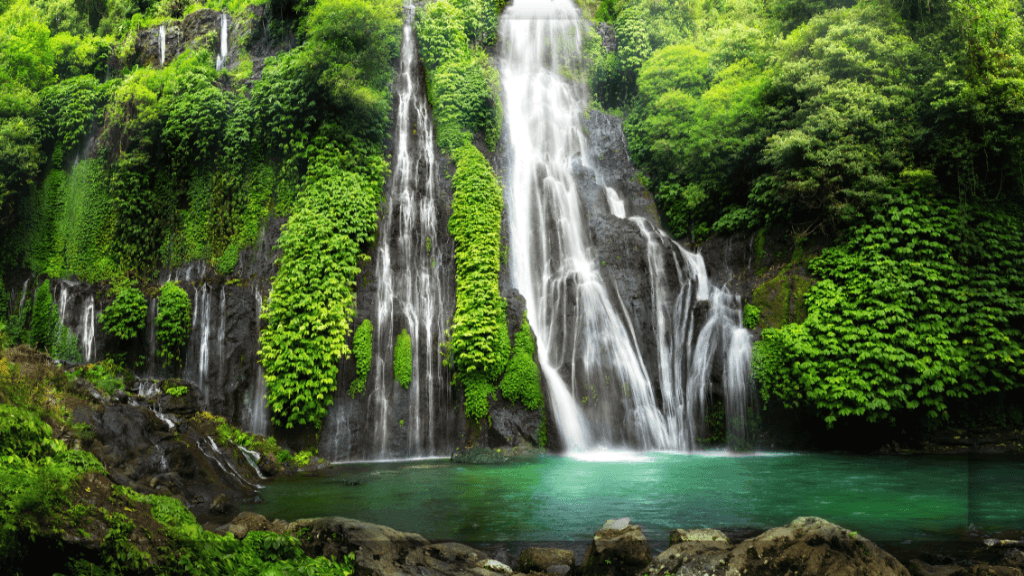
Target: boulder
{"points": [[618, 549], [378, 549], [252, 521], [922, 568], [699, 535], [692, 557], [540, 559], [220, 504], [269, 465], [239, 531]]}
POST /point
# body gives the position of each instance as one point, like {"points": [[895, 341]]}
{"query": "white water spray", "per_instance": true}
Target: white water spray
{"points": [[600, 389], [222, 57], [163, 44]]}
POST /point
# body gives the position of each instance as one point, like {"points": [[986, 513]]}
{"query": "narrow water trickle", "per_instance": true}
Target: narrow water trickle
{"points": [[411, 292], [257, 418], [222, 56], [163, 43], [602, 392], [88, 335]]}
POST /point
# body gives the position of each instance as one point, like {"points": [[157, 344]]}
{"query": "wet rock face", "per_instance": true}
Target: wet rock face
{"points": [[607, 34], [139, 450], [200, 29]]}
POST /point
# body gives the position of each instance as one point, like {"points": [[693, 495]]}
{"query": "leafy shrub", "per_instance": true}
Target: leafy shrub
{"points": [[312, 299], [173, 323], [921, 305], [751, 316], [362, 345], [68, 110], [522, 379], [126, 315], [478, 343], [177, 391], [403, 359], [106, 376]]}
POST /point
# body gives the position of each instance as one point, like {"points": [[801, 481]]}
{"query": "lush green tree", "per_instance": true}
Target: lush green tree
{"points": [[976, 101], [68, 110], [126, 315], [354, 42], [26, 53], [173, 323], [20, 143], [842, 111]]}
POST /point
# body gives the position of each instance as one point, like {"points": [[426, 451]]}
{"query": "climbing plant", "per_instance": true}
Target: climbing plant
{"points": [[403, 359], [362, 347], [312, 300], [173, 323], [125, 318], [41, 332], [478, 343], [522, 379]]}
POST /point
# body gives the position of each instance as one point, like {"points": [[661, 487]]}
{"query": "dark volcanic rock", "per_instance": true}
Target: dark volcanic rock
{"points": [[383, 551]]}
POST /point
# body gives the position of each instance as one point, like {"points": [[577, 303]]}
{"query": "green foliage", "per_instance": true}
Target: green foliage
{"points": [[362, 347], [312, 300], [196, 116], [478, 343], [26, 52], [522, 379], [357, 39], [403, 359], [106, 375], [462, 86], [126, 315], [751, 316], [68, 110], [921, 305], [20, 152], [173, 323], [43, 315], [84, 222], [977, 100], [177, 391]]}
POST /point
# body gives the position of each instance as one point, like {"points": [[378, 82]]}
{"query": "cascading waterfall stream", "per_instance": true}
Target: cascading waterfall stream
{"points": [[410, 287], [222, 57], [163, 43], [587, 342], [257, 414]]}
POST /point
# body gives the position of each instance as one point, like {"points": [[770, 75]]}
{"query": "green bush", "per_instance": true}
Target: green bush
{"points": [[922, 305], [173, 323], [403, 359], [522, 379], [478, 343], [362, 346], [125, 318], [751, 316], [312, 300]]}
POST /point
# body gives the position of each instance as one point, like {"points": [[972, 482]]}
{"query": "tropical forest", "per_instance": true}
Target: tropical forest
{"points": [[501, 287]]}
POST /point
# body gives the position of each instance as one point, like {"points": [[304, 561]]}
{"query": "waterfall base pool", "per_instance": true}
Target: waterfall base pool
{"points": [[564, 500]]}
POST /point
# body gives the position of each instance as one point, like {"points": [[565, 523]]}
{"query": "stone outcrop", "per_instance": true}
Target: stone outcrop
{"points": [[383, 551], [808, 545], [618, 549], [549, 560]]}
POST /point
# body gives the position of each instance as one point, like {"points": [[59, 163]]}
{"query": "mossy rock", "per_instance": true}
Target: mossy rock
{"points": [[782, 299]]}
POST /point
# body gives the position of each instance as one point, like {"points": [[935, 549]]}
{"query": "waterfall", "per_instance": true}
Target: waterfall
{"points": [[615, 203], [410, 283], [199, 364], [257, 417], [151, 348], [222, 57], [163, 43], [601, 391], [88, 335]]}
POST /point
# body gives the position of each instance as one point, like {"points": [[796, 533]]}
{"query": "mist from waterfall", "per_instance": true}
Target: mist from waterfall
{"points": [[600, 390]]}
